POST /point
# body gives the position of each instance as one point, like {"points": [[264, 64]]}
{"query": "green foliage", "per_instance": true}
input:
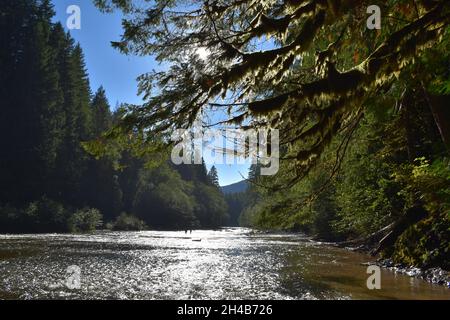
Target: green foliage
{"points": [[307, 68], [211, 207], [86, 220], [425, 244], [214, 176], [436, 63], [127, 222], [31, 122], [46, 215], [430, 181], [53, 135], [236, 203], [163, 199], [46, 113], [40, 216], [378, 181], [323, 211], [178, 197], [256, 216], [366, 195]]}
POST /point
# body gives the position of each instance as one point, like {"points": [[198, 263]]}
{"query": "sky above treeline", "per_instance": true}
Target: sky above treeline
{"points": [[114, 71]]}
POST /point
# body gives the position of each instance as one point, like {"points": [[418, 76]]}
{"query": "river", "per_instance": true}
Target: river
{"points": [[233, 263]]}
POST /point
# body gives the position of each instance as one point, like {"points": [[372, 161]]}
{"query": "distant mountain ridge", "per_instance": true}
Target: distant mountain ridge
{"points": [[237, 187]]}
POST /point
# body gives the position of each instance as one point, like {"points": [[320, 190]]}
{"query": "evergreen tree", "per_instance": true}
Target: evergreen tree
{"points": [[102, 116], [31, 119], [100, 181], [72, 159], [213, 177]]}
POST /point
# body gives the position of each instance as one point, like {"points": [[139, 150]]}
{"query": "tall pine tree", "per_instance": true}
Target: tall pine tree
{"points": [[31, 121]]}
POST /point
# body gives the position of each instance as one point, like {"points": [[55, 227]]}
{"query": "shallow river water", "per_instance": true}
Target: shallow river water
{"points": [[224, 264]]}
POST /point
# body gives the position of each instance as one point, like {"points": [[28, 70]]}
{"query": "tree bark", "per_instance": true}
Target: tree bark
{"points": [[440, 108], [412, 216], [406, 115]]}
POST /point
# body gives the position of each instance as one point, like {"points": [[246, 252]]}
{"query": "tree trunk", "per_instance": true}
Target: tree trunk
{"points": [[440, 108], [407, 100], [412, 216]]}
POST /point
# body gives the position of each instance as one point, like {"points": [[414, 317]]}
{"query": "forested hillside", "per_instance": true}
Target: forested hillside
{"points": [[48, 115], [240, 186]]}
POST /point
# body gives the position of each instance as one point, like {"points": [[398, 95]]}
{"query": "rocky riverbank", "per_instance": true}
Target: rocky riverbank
{"points": [[431, 275], [434, 275]]}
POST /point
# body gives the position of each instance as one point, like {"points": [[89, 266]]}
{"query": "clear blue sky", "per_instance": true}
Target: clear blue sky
{"points": [[117, 73]]}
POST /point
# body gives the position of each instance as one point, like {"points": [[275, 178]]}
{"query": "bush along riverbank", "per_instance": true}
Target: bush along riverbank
{"points": [[48, 216]]}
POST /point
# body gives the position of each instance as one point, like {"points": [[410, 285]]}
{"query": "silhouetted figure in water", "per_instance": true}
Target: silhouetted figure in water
{"points": [[185, 231], [191, 231]]}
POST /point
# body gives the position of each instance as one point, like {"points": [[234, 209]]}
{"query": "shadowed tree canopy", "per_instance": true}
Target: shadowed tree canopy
{"points": [[304, 67]]}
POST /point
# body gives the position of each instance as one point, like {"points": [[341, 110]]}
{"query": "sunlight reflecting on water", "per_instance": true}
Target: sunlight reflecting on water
{"points": [[231, 263]]}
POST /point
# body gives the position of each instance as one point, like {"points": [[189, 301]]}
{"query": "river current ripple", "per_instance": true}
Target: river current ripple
{"points": [[234, 263]]}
